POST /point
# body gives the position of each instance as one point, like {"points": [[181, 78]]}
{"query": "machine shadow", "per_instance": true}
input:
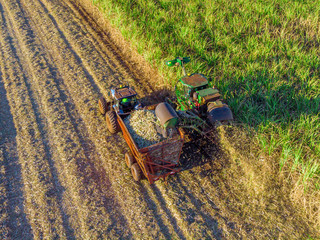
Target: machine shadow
{"points": [[200, 150]]}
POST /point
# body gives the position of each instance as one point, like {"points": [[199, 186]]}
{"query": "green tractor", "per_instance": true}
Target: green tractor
{"points": [[193, 94], [123, 102]]}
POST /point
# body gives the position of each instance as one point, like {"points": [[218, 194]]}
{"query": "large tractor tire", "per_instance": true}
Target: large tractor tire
{"points": [[103, 105], [136, 172], [129, 159], [112, 123]]}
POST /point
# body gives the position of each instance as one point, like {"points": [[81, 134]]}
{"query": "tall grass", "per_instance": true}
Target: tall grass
{"points": [[262, 55]]}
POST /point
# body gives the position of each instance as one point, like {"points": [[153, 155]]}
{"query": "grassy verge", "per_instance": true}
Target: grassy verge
{"points": [[263, 56]]}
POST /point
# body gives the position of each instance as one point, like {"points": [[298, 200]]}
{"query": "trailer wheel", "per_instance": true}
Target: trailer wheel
{"points": [[103, 105], [112, 123], [136, 172], [129, 159]]}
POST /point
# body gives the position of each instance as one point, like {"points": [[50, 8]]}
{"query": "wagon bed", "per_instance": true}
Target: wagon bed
{"points": [[158, 160]]}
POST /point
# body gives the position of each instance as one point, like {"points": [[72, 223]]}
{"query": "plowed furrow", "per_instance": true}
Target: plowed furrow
{"points": [[76, 174], [104, 64], [181, 217], [39, 189], [13, 221], [207, 221], [4, 218], [85, 99]]}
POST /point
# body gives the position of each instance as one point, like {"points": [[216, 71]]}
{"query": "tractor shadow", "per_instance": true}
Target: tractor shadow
{"points": [[157, 96], [200, 150]]}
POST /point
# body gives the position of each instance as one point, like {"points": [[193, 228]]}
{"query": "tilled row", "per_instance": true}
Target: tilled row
{"points": [[84, 99], [4, 216], [205, 225], [82, 200], [69, 68], [41, 206]]}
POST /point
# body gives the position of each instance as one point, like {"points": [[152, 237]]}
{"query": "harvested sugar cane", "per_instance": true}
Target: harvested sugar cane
{"points": [[189, 120], [142, 125]]}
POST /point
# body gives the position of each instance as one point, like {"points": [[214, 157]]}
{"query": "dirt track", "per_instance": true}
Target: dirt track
{"points": [[62, 174]]}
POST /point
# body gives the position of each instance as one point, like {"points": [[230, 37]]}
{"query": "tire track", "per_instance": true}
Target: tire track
{"points": [[180, 218], [209, 220], [92, 95], [40, 204], [68, 64], [13, 221], [92, 216], [104, 64]]}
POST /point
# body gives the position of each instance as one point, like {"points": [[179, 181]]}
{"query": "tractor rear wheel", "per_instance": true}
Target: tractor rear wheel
{"points": [[129, 159], [112, 123], [136, 172], [103, 106]]}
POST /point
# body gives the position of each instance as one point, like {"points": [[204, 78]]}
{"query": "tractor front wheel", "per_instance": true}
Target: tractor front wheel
{"points": [[103, 105], [136, 172], [112, 123]]}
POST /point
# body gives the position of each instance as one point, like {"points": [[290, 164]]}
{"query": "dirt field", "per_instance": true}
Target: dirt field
{"points": [[62, 175]]}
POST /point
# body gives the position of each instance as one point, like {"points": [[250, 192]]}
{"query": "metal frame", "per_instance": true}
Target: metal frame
{"points": [[143, 156]]}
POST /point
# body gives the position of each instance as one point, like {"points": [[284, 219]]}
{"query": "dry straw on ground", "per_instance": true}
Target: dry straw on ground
{"points": [[75, 180]]}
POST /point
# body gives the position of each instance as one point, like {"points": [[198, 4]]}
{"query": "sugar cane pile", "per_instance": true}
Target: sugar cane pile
{"points": [[142, 125]]}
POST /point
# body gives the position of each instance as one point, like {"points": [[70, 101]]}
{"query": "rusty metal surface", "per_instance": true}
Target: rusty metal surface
{"points": [[158, 160], [195, 80]]}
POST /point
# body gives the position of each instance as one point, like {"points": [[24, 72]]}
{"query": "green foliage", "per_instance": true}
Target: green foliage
{"points": [[262, 55]]}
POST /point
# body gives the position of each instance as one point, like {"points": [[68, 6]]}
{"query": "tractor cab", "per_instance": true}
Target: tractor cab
{"points": [[194, 91], [125, 99], [193, 83]]}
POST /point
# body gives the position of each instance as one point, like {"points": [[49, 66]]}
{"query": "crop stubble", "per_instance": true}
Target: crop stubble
{"points": [[65, 144], [182, 218], [140, 205], [74, 179]]}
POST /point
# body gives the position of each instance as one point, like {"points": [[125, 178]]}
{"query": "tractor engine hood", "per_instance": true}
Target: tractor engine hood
{"points": [[209, 95]]}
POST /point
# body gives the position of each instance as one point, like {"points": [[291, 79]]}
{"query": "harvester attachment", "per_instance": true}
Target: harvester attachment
{"points": [[218, 111]]}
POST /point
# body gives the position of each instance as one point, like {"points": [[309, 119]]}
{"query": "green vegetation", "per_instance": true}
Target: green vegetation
{"points": [[262, 55]]}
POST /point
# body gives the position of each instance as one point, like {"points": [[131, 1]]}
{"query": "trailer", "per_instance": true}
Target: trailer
{"points": [[155, 162]]}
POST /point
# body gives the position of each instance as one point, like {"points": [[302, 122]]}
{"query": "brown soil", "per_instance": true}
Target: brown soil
{"points": [[62, 175]]}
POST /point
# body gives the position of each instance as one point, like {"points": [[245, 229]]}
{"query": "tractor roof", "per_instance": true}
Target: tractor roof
{"points": [[125, 92], [195, 80]]}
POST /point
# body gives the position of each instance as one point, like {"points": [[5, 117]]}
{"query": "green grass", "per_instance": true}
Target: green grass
{"points": [[262, 55]]}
